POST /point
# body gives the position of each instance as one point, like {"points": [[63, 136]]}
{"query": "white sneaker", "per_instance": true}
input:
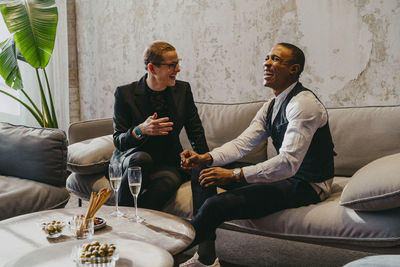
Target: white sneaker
{"points": [[194, 262]]}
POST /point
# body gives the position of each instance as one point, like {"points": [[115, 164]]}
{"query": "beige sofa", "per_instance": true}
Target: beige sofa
{"points": [[362, 213]]}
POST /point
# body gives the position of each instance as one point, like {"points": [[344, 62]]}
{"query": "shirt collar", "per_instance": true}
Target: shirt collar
{"points": [[285, 92]]}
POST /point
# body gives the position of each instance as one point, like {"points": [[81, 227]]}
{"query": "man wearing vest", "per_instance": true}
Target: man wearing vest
{"points": [[301, 174]]}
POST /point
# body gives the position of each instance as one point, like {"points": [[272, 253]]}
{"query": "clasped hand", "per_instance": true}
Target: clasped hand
{"points": [[210, 176], [154, 126]]}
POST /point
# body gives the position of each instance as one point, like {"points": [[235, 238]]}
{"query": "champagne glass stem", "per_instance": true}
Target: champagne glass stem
{"points": [[135, 198], [116, 200]]}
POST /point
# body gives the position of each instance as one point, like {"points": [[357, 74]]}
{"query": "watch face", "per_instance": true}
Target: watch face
{"points": [[138, 132]]}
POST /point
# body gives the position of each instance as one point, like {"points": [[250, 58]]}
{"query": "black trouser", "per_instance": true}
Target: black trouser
{"points": [[159, 183], [247, 201]]}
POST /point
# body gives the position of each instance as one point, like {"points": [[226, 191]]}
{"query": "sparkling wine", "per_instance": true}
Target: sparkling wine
{"points": [[115, 182], [135, 188]]}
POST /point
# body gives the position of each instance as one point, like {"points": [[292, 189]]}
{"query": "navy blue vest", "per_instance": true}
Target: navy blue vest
{"points": [[317, 165]]}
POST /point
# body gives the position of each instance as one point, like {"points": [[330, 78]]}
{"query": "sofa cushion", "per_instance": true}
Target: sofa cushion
{"points": [[37, 154], [324, 223], [90, 156], [375, 186], [224, 122], [21, 196], [363, 134]]}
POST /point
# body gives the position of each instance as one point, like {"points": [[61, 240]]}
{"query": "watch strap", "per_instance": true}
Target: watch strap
{"points": [[138, 132]]}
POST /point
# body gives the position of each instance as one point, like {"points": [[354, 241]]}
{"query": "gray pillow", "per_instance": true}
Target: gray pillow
{"points": [[90, 156], [375, 186], [37, 154]]}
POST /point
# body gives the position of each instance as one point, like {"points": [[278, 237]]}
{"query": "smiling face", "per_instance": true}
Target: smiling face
{"points": [[165, 72], [279, 73]]}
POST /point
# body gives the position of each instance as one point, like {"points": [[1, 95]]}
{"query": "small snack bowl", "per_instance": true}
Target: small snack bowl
{"points": [[53, 229], [95, 254]]}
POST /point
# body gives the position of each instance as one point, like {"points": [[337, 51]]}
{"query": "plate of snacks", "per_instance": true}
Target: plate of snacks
{"points": [[99, 223]]}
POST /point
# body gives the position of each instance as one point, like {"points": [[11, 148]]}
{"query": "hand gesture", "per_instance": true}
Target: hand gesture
{"points": [[216, 176], [190, 159], [154, 126]]}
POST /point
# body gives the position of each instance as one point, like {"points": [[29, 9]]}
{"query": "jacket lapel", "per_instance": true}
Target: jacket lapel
{"points": [[141, 100]]}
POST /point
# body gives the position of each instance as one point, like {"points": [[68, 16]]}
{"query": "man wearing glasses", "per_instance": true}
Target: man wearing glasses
{"points": [[148, 117], [301, 174]]}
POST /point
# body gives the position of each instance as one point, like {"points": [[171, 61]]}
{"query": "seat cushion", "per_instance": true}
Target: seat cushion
{"points": [[38, 154], [375, 186], [327, 222], [90, 156], [21, 196]]}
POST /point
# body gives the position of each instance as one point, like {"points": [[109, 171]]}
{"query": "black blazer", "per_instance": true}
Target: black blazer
{"points": [[131, 108]]}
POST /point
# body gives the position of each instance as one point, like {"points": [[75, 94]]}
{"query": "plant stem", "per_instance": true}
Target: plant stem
{"points": [[44, 103], [53, 112], [37, 117], [30, 100]]}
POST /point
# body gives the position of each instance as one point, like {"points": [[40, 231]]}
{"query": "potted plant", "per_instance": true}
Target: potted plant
{"points": [[33, 25]]}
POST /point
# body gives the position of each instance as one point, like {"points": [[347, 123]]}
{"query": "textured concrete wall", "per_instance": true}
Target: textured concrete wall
{"points": [[352, 47]]}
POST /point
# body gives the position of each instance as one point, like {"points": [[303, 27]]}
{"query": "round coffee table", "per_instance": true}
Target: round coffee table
{"points": [[22, 234]]}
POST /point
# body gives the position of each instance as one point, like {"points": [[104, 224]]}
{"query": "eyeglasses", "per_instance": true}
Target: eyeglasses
{"points": [[170, 65]]}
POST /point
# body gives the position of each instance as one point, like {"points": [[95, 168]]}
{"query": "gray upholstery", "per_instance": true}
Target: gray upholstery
{"points": [[20, 196], [32, 169], [326, 223], [361, 135], [33, 153]]}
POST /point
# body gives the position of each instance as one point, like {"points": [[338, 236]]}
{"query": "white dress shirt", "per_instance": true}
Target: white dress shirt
{"points": [[305, 114]]}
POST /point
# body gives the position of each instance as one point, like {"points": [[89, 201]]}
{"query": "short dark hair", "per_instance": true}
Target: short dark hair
{"points": [[154, 52], [297, 56]]}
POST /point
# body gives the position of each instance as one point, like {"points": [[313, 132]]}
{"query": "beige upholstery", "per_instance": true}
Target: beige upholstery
{"points": [[375, 186], [361, 135]]}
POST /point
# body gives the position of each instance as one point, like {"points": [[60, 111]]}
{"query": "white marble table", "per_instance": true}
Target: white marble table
{"points": [[22, 234]]}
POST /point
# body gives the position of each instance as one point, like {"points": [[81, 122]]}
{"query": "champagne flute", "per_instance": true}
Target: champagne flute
{"points": [[115, 173], [135, 182]]}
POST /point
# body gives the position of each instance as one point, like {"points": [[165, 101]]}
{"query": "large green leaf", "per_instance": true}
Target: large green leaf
{"points": [[33, 24], [9, 69]]}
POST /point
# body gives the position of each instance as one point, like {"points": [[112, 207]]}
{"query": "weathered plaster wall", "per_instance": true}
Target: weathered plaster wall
{"points": [[352, 47]]}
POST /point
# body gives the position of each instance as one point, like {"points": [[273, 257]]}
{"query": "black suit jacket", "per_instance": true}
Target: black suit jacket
{"points": [[131, 108]]}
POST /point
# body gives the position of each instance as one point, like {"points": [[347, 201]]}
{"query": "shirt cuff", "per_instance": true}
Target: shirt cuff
{"points": [[216, 159], [250, 173]]}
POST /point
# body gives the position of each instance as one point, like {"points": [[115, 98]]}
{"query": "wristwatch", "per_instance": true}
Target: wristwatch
{"points": [[236, 174], [138, 132]]}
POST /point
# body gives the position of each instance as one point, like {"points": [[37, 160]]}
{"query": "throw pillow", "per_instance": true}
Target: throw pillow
{"points": [[36, 154], [90, 156], [375, 186]]}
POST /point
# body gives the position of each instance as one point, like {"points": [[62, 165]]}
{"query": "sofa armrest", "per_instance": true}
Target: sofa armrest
{"points": [[89, 129]]}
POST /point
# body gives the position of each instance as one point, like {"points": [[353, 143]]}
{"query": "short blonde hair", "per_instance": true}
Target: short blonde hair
{"points": [[154, 52]]}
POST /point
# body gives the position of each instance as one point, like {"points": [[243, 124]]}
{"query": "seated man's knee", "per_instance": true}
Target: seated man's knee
{"points": [[215, 204], [141, 159]]}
